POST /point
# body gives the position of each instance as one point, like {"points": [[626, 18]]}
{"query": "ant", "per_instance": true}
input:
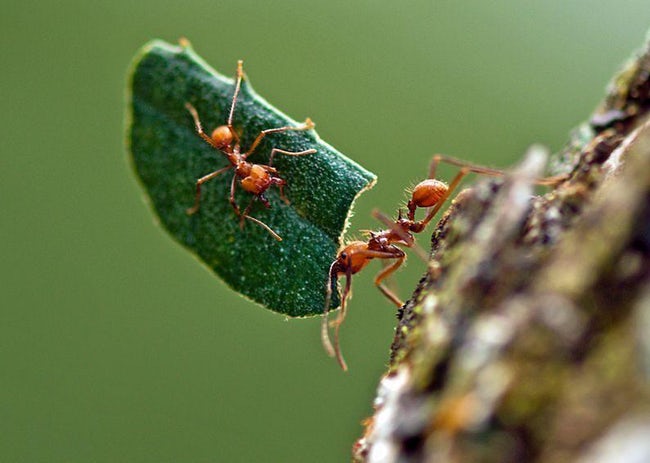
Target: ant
{"points": [[253, 178], [385, 244]]}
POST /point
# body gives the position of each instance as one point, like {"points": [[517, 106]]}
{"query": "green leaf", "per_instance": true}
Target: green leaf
{"points": [[168, 156]]}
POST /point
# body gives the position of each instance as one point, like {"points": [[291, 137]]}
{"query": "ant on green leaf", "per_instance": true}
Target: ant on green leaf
{"points": [[386, 244], [253, 178]]}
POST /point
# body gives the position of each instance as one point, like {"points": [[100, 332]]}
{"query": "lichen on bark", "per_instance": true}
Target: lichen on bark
{"points": [[526, 340]]}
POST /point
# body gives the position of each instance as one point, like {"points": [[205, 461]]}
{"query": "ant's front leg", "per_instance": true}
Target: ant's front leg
{"points": [[198, 127]]}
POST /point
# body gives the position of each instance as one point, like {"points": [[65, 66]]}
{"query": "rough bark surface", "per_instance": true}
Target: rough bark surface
{"points": [[529, 337]]}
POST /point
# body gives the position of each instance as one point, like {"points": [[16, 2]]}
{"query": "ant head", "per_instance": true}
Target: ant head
{"points": [[351, 258], [222, 136]]}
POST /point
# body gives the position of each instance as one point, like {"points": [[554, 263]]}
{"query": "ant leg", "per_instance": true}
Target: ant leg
{"points": [[231, 199], [281, 183], [552, 181], [307, 125], [386, 273], [394, 253], [284, 198], [335, 350], [197, 125], [265, 226], [199, 182], [475, 168], [435, 160], [264, 200], [244, 215], [466, 168], [288, 153]]}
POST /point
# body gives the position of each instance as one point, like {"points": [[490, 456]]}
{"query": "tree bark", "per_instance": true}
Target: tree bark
{"points": [[529, 337]]}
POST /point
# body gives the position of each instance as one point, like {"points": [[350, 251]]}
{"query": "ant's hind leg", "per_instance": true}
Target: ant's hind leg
{"points": [[307, 125], [482, 170], [289, 153], [475, 168]]}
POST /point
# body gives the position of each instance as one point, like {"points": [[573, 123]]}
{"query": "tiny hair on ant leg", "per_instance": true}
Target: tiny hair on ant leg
{"points": [[430, 194], [256, 179]]}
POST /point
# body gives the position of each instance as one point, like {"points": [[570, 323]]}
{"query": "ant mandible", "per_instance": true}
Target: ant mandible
{"points": [[253, 178], [385, 244]]}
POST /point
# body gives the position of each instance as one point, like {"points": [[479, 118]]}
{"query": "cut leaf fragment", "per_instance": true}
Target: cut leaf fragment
{"points": [[168, 156]]}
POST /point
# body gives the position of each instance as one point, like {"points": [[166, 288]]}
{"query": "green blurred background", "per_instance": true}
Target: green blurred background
{"points": [[115, 344]]}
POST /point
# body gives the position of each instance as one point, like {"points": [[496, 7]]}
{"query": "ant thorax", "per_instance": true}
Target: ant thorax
{"points": [[402, 232], [243, 168]]}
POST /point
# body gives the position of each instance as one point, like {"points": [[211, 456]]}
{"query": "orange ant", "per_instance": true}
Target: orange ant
{"points": [[385, 244], [254, 178]]}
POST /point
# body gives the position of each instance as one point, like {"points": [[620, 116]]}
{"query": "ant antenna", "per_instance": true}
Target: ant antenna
{"points": [[324, 332], [335, 349]]}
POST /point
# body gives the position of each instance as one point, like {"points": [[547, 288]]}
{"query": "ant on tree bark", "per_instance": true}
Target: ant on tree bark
{"points": [[385, 244], [253, 178]]}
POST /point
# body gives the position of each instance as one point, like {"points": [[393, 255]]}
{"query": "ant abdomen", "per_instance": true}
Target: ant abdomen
{"points": [[428, 192], [257, 181]]}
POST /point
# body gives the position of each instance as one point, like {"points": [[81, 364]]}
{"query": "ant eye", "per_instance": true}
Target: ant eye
{"points": [[344, 255]]}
